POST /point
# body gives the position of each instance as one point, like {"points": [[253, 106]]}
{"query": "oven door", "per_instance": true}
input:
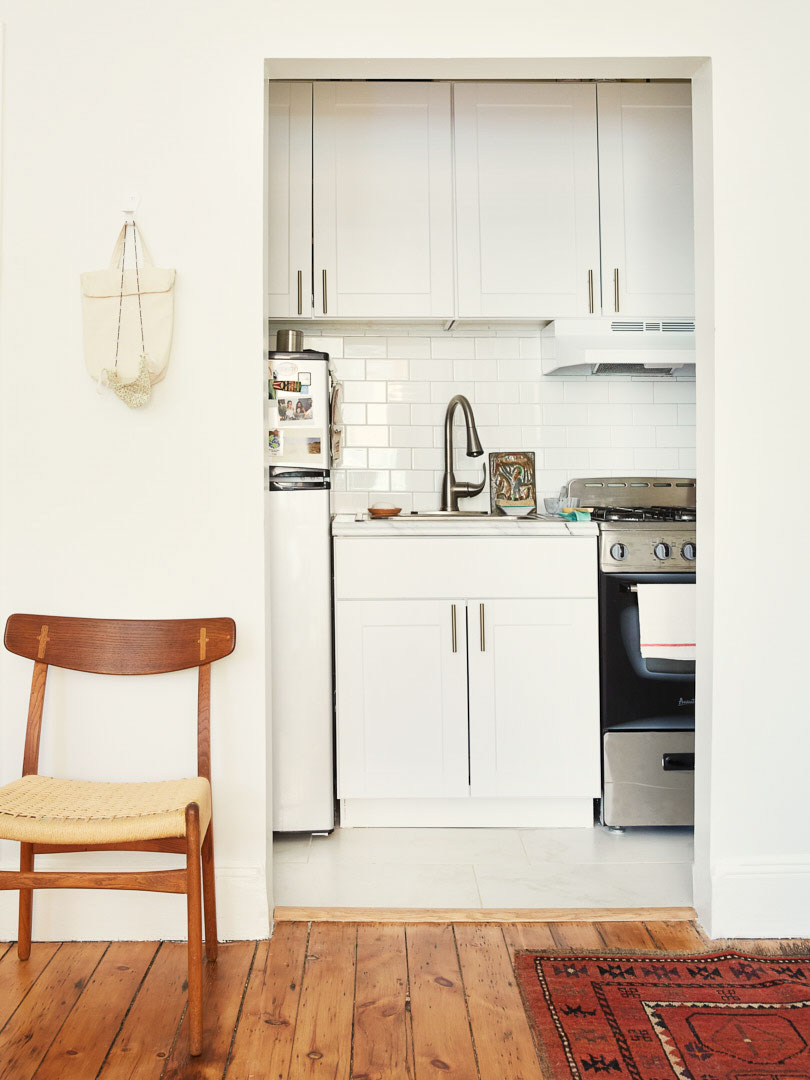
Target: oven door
{"points": [[633, 688]]}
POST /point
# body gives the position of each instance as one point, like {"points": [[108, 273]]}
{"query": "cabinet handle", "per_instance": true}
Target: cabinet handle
{"points": [[300, 293], [482, 628], [616, 289], [323, 278], [590, 292], [453, 627]]}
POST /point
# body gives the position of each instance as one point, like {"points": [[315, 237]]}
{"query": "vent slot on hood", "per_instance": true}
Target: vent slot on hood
{"points": [[632, 369]]}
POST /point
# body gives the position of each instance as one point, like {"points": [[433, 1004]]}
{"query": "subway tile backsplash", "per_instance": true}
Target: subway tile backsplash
{"points": [[398, 381]]}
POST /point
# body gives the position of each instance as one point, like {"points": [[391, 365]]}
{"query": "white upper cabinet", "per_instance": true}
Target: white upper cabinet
{"points": [[382, 200], [289, 200], [362, 178], [645, 170], [527, 199]]}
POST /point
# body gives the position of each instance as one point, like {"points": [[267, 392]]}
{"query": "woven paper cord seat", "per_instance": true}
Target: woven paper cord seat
{"points": [[43, 810]]}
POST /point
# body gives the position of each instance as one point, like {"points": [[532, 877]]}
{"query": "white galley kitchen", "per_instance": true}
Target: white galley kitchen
{"points": [[481, 490]]}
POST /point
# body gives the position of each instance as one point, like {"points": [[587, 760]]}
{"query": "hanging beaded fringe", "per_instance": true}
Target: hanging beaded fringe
{"points": [[135, 393]]}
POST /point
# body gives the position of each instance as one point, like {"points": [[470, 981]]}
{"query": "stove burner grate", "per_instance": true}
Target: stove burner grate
{"points": [[645, 513]]}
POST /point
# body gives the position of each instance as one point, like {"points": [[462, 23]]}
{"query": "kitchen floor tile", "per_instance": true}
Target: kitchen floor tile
{"points": [[426, 847], [599, 845], [323, 883], [587, 885]]}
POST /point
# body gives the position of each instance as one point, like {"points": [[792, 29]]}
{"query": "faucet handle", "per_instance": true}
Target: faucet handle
{"points": [[466, 489]]}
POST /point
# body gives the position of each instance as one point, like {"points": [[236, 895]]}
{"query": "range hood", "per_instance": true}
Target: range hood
{"points": [[618, 347]]}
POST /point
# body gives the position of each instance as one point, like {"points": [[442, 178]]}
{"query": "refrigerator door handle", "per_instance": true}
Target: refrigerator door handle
{"points": [[299, 485]]}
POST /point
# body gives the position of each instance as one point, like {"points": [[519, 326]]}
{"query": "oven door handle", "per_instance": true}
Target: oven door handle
{"points": [[678, 762]]}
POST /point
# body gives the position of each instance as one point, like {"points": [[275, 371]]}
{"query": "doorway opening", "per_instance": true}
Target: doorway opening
{"points": [[392, 413]]}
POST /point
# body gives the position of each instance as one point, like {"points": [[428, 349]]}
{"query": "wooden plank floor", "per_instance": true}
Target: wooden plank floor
{"points": [[338, 1001]]}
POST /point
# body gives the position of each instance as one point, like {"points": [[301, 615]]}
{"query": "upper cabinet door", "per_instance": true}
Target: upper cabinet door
{"points": [[527, 199], [382, 191], [645, 175], [289, 200]]}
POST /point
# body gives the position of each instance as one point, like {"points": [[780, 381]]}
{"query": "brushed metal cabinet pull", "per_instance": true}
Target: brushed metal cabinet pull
{"points": [[590, 291], [616, 289], [482, 628], [300, 292], [453, 627], [323, 278]]}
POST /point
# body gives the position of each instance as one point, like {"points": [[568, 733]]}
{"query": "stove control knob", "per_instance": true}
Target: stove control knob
{"points": [[662, 551], [689, 551], [618, 552]]}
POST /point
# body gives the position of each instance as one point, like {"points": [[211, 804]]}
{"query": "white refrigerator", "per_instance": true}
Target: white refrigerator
{"points": [[299, 579]]}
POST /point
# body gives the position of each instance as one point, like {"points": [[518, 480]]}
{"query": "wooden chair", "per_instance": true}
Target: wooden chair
{"points": [[50, 815]]}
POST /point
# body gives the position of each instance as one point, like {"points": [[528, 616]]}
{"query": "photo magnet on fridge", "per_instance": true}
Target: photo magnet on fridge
{"points": [[313, 446], [295, 409], [275, 441]]}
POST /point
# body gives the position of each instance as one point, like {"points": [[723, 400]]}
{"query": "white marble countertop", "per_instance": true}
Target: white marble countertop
{"points": [[415, 525]]}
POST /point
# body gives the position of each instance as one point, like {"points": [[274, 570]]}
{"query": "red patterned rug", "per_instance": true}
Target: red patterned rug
{"points": [[725, 1016]]}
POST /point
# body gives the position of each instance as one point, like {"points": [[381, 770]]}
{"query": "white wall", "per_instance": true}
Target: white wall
{"points": [[167, 97], [151, 513]]}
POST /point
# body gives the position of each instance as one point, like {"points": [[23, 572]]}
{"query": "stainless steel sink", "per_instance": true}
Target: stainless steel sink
{"points": [[440, 514]]}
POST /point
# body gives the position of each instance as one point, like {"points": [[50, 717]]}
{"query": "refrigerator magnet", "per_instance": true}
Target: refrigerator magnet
{"points": [[286, 371], [275, 441], [292, 410], [314, 446]]}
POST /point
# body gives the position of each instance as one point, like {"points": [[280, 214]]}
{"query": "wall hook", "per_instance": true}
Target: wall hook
{"points": [[130, 206]]}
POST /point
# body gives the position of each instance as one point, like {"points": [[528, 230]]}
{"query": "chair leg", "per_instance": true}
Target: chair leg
{"points": [[26, 904], [209, 895], [194, 895]]}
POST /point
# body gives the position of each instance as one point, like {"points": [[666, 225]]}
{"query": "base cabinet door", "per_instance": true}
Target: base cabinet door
{"points": [[527, 199], [288, 260], [534, 698], [645, 192], [401, 668]]}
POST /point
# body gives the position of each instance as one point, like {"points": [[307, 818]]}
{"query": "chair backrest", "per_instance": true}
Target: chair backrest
{"points": [[119, 647]]}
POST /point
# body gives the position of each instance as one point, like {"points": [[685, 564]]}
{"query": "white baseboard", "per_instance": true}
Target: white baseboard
{"points": [[759, 899], [112, 915], [467, 813]]}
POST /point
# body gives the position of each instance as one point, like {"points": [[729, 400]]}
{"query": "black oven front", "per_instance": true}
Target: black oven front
{"points": [[633, 688], [647, 715]]}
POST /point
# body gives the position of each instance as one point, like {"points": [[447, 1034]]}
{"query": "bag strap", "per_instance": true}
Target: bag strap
{"points": [[123, 239], [117, 257]]}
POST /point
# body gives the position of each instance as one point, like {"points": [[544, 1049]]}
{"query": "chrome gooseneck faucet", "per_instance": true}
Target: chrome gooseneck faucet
{"points": [[453, 489]]}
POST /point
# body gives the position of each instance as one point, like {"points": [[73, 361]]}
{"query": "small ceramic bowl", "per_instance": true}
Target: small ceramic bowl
{"points": [[384, 511]]}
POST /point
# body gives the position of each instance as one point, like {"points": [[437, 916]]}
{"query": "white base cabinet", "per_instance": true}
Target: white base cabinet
{"points": [[534, 676], [402, 699], [470, 709]]}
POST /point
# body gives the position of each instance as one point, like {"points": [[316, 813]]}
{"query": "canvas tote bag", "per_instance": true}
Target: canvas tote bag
{"points": [[128, 318]]}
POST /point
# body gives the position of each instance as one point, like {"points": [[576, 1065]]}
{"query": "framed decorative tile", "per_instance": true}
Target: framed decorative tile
{"points": [[511, 482]]}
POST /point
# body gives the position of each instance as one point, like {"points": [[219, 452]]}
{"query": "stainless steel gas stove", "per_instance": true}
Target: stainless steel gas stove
{"points": [[646, 524], [647, 535]]}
